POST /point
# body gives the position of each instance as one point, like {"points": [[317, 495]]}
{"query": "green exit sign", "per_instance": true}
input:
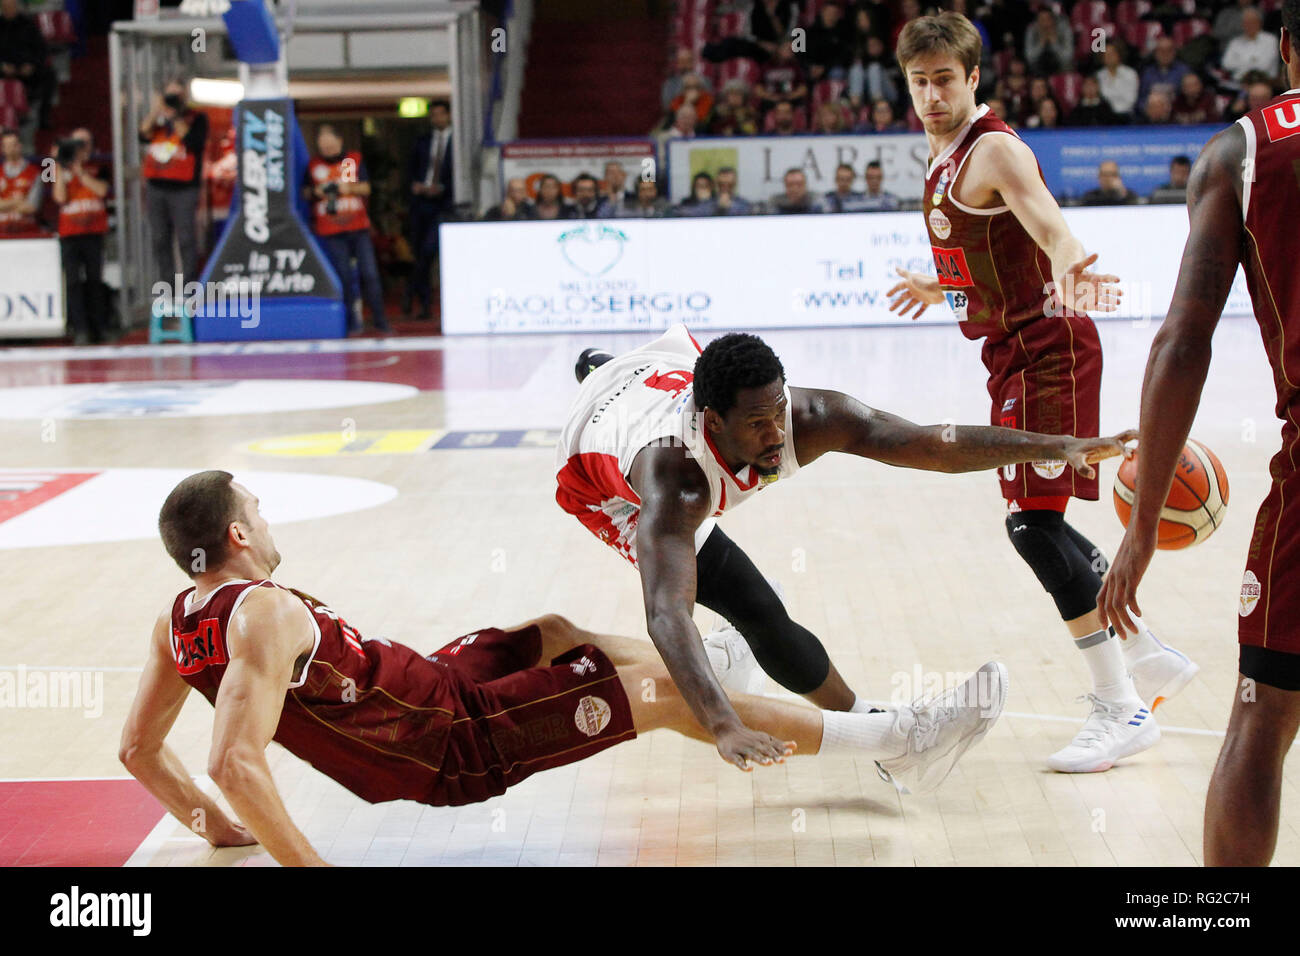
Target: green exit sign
{"points": [[412, 106]]}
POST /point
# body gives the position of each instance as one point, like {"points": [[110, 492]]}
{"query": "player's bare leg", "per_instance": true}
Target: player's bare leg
{"points": [[914, 747], [559, 634], [1245, 795]]}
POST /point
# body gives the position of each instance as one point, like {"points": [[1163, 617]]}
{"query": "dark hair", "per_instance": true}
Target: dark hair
{"points": [[1180, 161], [1291, 21], [794, 169], [728, 364], [8, 131], [581, 176], [701, 175], [328, 126], [726, 169], [848, 166], [874, 164], [195, 517], [445, 104]]}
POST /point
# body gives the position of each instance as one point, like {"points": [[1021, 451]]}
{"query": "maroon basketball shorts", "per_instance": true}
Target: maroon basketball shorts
{"points": [[1046, 378], [512, 719], [1268, 625]]}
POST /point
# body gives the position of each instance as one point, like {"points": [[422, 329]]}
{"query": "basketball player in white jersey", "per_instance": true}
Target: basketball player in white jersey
{"points": [[662, 440]]}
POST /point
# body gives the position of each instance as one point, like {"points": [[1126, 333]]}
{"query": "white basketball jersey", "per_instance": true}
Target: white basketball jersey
{"points": [[640, 398]]}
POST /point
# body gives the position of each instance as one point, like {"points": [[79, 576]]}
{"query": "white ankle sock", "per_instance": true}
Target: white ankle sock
{"points": [[1105, 660], [865, 735], [860, 706], [1141, 643]]}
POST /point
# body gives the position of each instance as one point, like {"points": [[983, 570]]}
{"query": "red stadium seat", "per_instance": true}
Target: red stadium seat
{"points": [[1088, 14], [1142, 36], [738, 69], [10, 118], [732, 25], [1083, 42], [13, 94], [1187, 30], [1129, 12], [1066, 88], [1002, 61], [811, 9], [57, 28], [827, 90]]}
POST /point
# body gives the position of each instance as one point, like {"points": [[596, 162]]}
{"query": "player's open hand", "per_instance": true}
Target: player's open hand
{"points": [[1082, 452], [739, 745], [1083, 290], [916, 291], [1118, 593]]}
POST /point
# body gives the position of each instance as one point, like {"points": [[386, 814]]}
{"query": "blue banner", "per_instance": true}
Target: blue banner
{"points": [[1070, 157]]}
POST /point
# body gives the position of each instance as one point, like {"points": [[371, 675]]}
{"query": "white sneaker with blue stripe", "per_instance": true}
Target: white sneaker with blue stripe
{"points": [[1113, 731]]}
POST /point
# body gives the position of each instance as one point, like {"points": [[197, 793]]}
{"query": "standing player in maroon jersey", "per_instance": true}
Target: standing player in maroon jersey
{"points": [[458, 726], [1016, 277], [1244, 202]]}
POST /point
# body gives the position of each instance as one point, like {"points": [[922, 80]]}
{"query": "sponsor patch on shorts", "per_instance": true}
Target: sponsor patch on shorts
{"points": [[1251, 590], [592, 715], [1049, 469]]}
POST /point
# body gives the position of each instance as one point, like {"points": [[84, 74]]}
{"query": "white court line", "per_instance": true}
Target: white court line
{"points": [[305, 347], [152, 845]]}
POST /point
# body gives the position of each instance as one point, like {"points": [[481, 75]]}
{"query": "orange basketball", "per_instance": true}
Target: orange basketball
{"points": [[1197, 502]]}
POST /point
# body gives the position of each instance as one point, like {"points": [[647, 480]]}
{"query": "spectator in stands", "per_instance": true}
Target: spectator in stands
{"points": [[1110, 190], [693, 94], [729, 203], [1159, 108], [830, 44], [429, 171], [882, 119], [876, 199], [672, 87], [830, 118], [1253, 49], [683, 127], [79, 191], [337, 184], [873, 74], [173, 164], [1049, 43], [1194, 103], [702, 200], [515, 205], [1175, 191], [1118, 82], [783, 79], [1047, 116], [1257, 93], [614, 196], [998, 107], [783, 123], [1165, 70], [770, 22], [23, 56], [1039, 90], [733, 115], [1227, 24], [843, 198], [586, 196], [550, 199], [1092, 109], [21, 188], [796, 199], [911, 9], [649, 204], [1013, 89]]}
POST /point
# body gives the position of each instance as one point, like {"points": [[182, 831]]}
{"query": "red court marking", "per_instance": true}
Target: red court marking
{"points": [[74, 822], [16, 497]]}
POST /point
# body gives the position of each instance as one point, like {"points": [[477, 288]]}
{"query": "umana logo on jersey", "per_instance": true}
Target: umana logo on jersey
{"points": [[592, 248], [1282, 120]]}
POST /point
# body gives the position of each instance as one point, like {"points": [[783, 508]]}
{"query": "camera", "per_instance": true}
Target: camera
{"points": [[331, 191], [68, 150], [173, 101]]}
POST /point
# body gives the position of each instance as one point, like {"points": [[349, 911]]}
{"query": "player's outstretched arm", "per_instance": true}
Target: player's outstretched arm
{"points": [[143, 751], [832, 421], [1180, 358], [674, 503], [267, 634], [1007, 166]]}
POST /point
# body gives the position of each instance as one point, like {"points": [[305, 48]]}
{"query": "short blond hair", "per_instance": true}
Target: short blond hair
{"points": [[947, 32]]}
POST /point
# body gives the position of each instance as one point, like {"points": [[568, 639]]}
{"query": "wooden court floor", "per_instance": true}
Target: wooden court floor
{"points": [[902, 574]]}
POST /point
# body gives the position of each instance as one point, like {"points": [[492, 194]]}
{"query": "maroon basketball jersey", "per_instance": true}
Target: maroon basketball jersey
{"points": [[1271, 206], [371, 714], [993, 274]]}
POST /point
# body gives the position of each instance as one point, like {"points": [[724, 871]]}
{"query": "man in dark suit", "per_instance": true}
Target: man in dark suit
{"points": [[432, 198]]}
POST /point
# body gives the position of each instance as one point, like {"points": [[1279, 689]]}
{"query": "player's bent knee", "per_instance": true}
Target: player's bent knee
{"points": [[1039, 538]]}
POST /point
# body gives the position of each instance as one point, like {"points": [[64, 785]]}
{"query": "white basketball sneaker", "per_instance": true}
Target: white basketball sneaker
{"points": [[1159, 671], [941, 730], [733, 662], [1111, 732]]}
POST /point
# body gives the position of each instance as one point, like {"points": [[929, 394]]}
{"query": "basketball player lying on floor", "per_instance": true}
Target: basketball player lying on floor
{"points": [[663, 439], [457, 726]]}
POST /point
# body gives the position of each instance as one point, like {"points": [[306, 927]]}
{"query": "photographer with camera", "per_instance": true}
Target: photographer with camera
{"points": [[338, 185], [83, 220], [20, 189], [173, 164]]}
